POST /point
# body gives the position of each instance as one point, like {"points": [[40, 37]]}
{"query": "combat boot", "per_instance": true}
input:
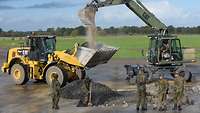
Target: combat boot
{"points": [[144, 109], [179, 108], [53, 107], [160, 109], [175, 107], [165, 108], [56, 107]]}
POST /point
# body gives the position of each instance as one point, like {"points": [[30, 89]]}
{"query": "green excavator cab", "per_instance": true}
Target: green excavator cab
{"points": [[164, 50]]}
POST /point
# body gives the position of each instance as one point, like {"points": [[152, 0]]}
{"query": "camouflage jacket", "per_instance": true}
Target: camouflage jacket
{"points": [[86, 87], [163, 86], [141, 81], [55, 87], [179, 84]]}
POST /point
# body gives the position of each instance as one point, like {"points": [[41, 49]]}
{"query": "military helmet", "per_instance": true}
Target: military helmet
{"points": [[87, 80], [161, 75], [176, 74], [141, 67], [54, 75], [182, 73]]}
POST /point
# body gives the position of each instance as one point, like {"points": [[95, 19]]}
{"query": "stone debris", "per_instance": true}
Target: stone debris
{"points": [[100, 93], [103, 96]]}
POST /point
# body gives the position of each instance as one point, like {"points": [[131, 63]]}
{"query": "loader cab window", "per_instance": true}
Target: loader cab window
{"points": [[40, 48], [50, 45]]}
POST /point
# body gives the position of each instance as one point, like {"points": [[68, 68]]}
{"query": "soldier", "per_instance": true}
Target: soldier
{"points": [[179, 91], [162, 92], [141, 90], [164, 50], [86, 89], [55, 91]]}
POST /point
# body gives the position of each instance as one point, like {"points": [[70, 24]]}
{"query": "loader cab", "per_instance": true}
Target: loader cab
{"points": [[40, 47], [164, 50]]}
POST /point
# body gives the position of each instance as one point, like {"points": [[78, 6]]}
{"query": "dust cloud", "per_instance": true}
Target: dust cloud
{"points": [[87, 17]]}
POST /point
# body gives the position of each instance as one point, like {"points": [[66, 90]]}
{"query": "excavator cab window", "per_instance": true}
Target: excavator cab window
{"points": [[153, 50], [164, 49], [170, 50], [176, 51]]}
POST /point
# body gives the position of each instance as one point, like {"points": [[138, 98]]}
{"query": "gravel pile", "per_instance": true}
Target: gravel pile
{"points": [[100, 93]]}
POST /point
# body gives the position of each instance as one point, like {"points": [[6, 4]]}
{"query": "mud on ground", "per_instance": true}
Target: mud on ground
{"points": [[33, 97]]}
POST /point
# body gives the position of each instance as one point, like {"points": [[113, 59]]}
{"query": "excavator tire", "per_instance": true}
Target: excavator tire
{"points": [[19, 74]]}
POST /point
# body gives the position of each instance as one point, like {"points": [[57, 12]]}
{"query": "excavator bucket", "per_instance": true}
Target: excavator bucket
{"points": [[93, 57]]}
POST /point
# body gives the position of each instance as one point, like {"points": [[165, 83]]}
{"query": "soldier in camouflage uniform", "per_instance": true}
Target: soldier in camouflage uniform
{"points": [[179, 91], [85, 100], [162, 92], [141, 90], [55, 91]]}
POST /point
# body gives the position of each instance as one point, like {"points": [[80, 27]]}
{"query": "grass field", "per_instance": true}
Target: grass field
{"points": [[130, 46]]}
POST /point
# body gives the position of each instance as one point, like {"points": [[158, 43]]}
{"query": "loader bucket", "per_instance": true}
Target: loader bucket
{"points": [[93, 57]]}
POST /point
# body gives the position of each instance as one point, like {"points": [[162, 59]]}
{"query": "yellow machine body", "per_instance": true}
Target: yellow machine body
{"points": [[36, 69], [38, 60]]}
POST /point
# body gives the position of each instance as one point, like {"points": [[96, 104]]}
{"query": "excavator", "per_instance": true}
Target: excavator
{"points": [[164, 53]]}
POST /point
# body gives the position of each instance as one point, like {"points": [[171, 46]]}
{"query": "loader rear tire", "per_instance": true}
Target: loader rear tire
{"points": [[19, 74], [62, 75]]}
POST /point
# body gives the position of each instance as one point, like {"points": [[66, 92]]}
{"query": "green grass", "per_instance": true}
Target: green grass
{"points": [[130, 46], [190, 41]]}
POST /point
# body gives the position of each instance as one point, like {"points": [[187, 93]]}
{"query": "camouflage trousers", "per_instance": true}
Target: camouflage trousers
{"points": [[55, 100], [162, 98], [178, 98], [141, 95]]}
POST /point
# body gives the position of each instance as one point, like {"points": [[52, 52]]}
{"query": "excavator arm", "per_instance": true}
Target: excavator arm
{"points": [[137, 7]]}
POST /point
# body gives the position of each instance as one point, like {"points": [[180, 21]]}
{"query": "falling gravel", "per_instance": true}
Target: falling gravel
{"points": [[87, 17]]}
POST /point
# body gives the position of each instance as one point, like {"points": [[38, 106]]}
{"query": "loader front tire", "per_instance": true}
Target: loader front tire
{"points": [[62, 75], [19, 74]]}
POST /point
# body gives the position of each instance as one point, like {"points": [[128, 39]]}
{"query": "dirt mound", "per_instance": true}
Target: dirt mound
{"points": [[100, 93]]}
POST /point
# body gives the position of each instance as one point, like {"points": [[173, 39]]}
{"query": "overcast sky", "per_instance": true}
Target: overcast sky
{"points": [[26, 15]]}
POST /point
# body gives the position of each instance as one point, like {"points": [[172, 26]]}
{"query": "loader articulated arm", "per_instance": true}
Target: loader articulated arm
{"points": [[138, 8]]}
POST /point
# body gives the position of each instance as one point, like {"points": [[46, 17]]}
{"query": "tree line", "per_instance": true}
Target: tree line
{"points": [[81, 31]]}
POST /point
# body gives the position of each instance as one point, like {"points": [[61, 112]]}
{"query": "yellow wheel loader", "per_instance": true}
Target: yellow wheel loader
{"points": [[38, 59]]}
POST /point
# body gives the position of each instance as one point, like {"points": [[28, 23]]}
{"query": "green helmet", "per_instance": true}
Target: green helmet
{"points": [[55, 75], [87, 79]]}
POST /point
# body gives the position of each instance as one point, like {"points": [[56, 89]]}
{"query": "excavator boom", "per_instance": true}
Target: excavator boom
{"points": [[137, 7]]}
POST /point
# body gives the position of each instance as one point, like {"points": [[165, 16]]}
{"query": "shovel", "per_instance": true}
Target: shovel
{"points": [[90, 96]]}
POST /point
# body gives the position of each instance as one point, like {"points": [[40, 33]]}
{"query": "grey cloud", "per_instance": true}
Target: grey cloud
{"points": [[6, 7], [54, 5], [61, 4], [4, 0]]}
